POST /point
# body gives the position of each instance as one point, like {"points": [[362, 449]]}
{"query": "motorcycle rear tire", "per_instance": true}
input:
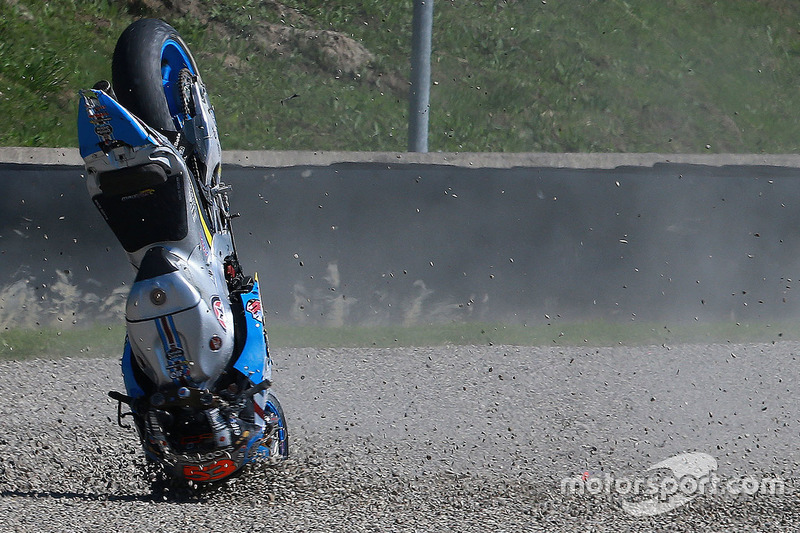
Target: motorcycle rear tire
{"points": [[145, 70]]}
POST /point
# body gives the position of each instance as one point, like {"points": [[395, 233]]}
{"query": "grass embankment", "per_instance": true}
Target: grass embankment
{"points": [[106, 341], [596, 76]]}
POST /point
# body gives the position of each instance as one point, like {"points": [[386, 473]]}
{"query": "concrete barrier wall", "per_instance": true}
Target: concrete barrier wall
{"points": [[355, 238]]}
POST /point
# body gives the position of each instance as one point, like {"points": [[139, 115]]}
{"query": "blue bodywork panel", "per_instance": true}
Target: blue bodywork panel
{"points": [[254, 362], [133, 389], [104, 124]]}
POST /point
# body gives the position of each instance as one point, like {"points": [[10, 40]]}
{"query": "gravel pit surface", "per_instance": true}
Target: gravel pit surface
{"points": [[430, 439]]}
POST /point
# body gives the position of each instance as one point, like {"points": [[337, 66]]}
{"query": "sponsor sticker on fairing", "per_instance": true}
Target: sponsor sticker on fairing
{"points": [[219, 312], [254, 308]]}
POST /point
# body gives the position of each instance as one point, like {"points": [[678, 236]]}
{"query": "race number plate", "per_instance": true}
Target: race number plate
{"points": [[210, 471]]}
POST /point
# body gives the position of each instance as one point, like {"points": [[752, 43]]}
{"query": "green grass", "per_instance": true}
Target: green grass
{"points": [[577, 75], [51, 343], [106, 341], [577, 334]]}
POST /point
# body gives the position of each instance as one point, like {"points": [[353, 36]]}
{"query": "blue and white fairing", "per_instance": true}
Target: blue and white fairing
{"points": [[139, 172], [253, 361], [179, 318]]}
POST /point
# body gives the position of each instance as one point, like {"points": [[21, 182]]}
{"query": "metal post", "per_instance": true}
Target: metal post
{"points": [[419, 98]]}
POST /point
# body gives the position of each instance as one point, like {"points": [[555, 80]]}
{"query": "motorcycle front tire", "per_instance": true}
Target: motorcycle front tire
{"points": [[274, 406]]}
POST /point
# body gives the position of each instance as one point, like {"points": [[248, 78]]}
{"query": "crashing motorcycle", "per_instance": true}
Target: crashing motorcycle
{"points": [[195, 363]]}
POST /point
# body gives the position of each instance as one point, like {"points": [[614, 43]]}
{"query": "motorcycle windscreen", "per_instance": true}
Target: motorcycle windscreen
{"points": [[152, 212]]}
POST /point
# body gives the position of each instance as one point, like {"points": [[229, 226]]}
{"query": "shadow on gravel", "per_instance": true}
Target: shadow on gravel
{"points": [[77, 496], [159, 494]]}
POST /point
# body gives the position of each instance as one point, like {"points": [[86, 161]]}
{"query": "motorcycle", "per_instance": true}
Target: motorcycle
{"points": [[196, 363]]}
